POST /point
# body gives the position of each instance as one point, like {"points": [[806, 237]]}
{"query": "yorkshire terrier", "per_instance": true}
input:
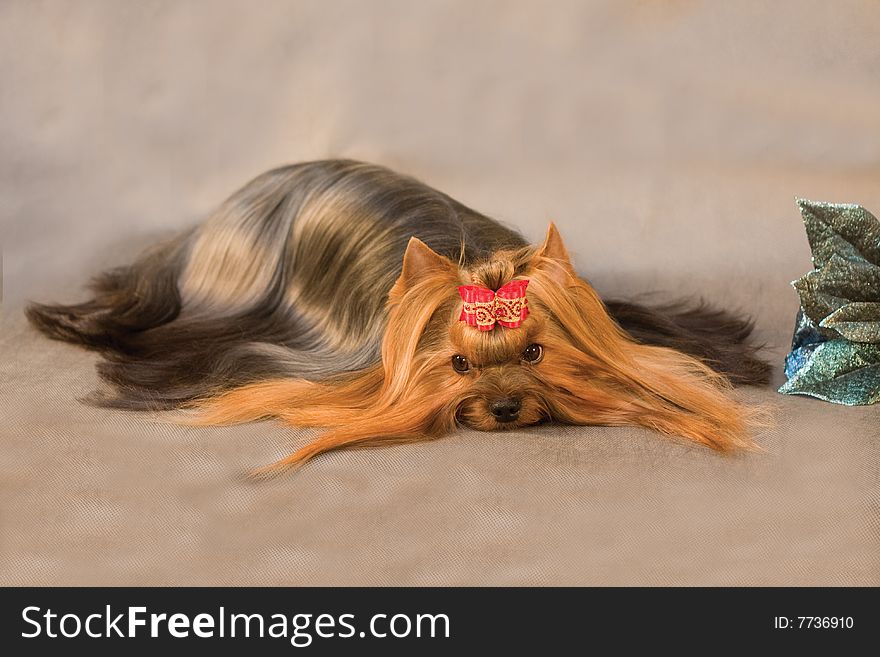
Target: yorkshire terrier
{"points": [[342, 295]]}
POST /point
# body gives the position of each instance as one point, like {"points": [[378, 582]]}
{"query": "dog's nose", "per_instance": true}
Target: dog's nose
{"points": [[506, 410]]}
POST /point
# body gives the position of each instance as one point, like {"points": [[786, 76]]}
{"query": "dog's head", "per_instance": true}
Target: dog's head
{"points": [[564, 359]]}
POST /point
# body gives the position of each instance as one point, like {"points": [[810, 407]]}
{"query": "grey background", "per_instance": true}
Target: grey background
{"points": [[667, 140]]}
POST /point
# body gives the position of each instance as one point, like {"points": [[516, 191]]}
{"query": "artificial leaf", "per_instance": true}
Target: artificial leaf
{"points": [[839, 282], [858, 321], [843, 228], [835, 352], [805, 341], [839, 371]]}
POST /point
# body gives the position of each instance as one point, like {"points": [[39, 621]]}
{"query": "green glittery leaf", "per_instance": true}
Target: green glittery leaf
{"points": [[835, 353], [825, 291], [846, 229], [839, 371], [858, 321]]}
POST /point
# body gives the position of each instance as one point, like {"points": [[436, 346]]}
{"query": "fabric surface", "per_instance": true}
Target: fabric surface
{"points": [[667, 141]]}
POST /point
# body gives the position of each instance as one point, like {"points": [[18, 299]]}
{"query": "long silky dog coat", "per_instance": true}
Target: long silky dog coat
{"points": [[290, 278]]}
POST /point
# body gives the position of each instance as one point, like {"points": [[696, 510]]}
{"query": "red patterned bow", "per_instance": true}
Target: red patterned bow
{"points": [[483, 307]]}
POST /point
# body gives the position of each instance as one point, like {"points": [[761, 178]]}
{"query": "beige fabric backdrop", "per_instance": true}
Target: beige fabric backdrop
{"points": [[667, 140]]}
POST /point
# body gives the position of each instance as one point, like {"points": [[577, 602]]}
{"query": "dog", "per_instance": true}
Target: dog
{"points": [[342, 295]]}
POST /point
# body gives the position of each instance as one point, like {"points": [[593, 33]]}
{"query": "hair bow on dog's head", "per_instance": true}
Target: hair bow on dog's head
{"points": [[484, 308]]}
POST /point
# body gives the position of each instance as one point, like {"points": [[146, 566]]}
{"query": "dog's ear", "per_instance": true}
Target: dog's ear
{"points": [[554, 249], [553, 246], [421, 262]]}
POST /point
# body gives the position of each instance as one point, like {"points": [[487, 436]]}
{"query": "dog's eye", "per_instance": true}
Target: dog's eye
{"points": [[460, 363], [533, 353]]}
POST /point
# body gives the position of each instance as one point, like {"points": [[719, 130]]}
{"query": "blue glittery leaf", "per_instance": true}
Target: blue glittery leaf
{"points": [[804, 342]]}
